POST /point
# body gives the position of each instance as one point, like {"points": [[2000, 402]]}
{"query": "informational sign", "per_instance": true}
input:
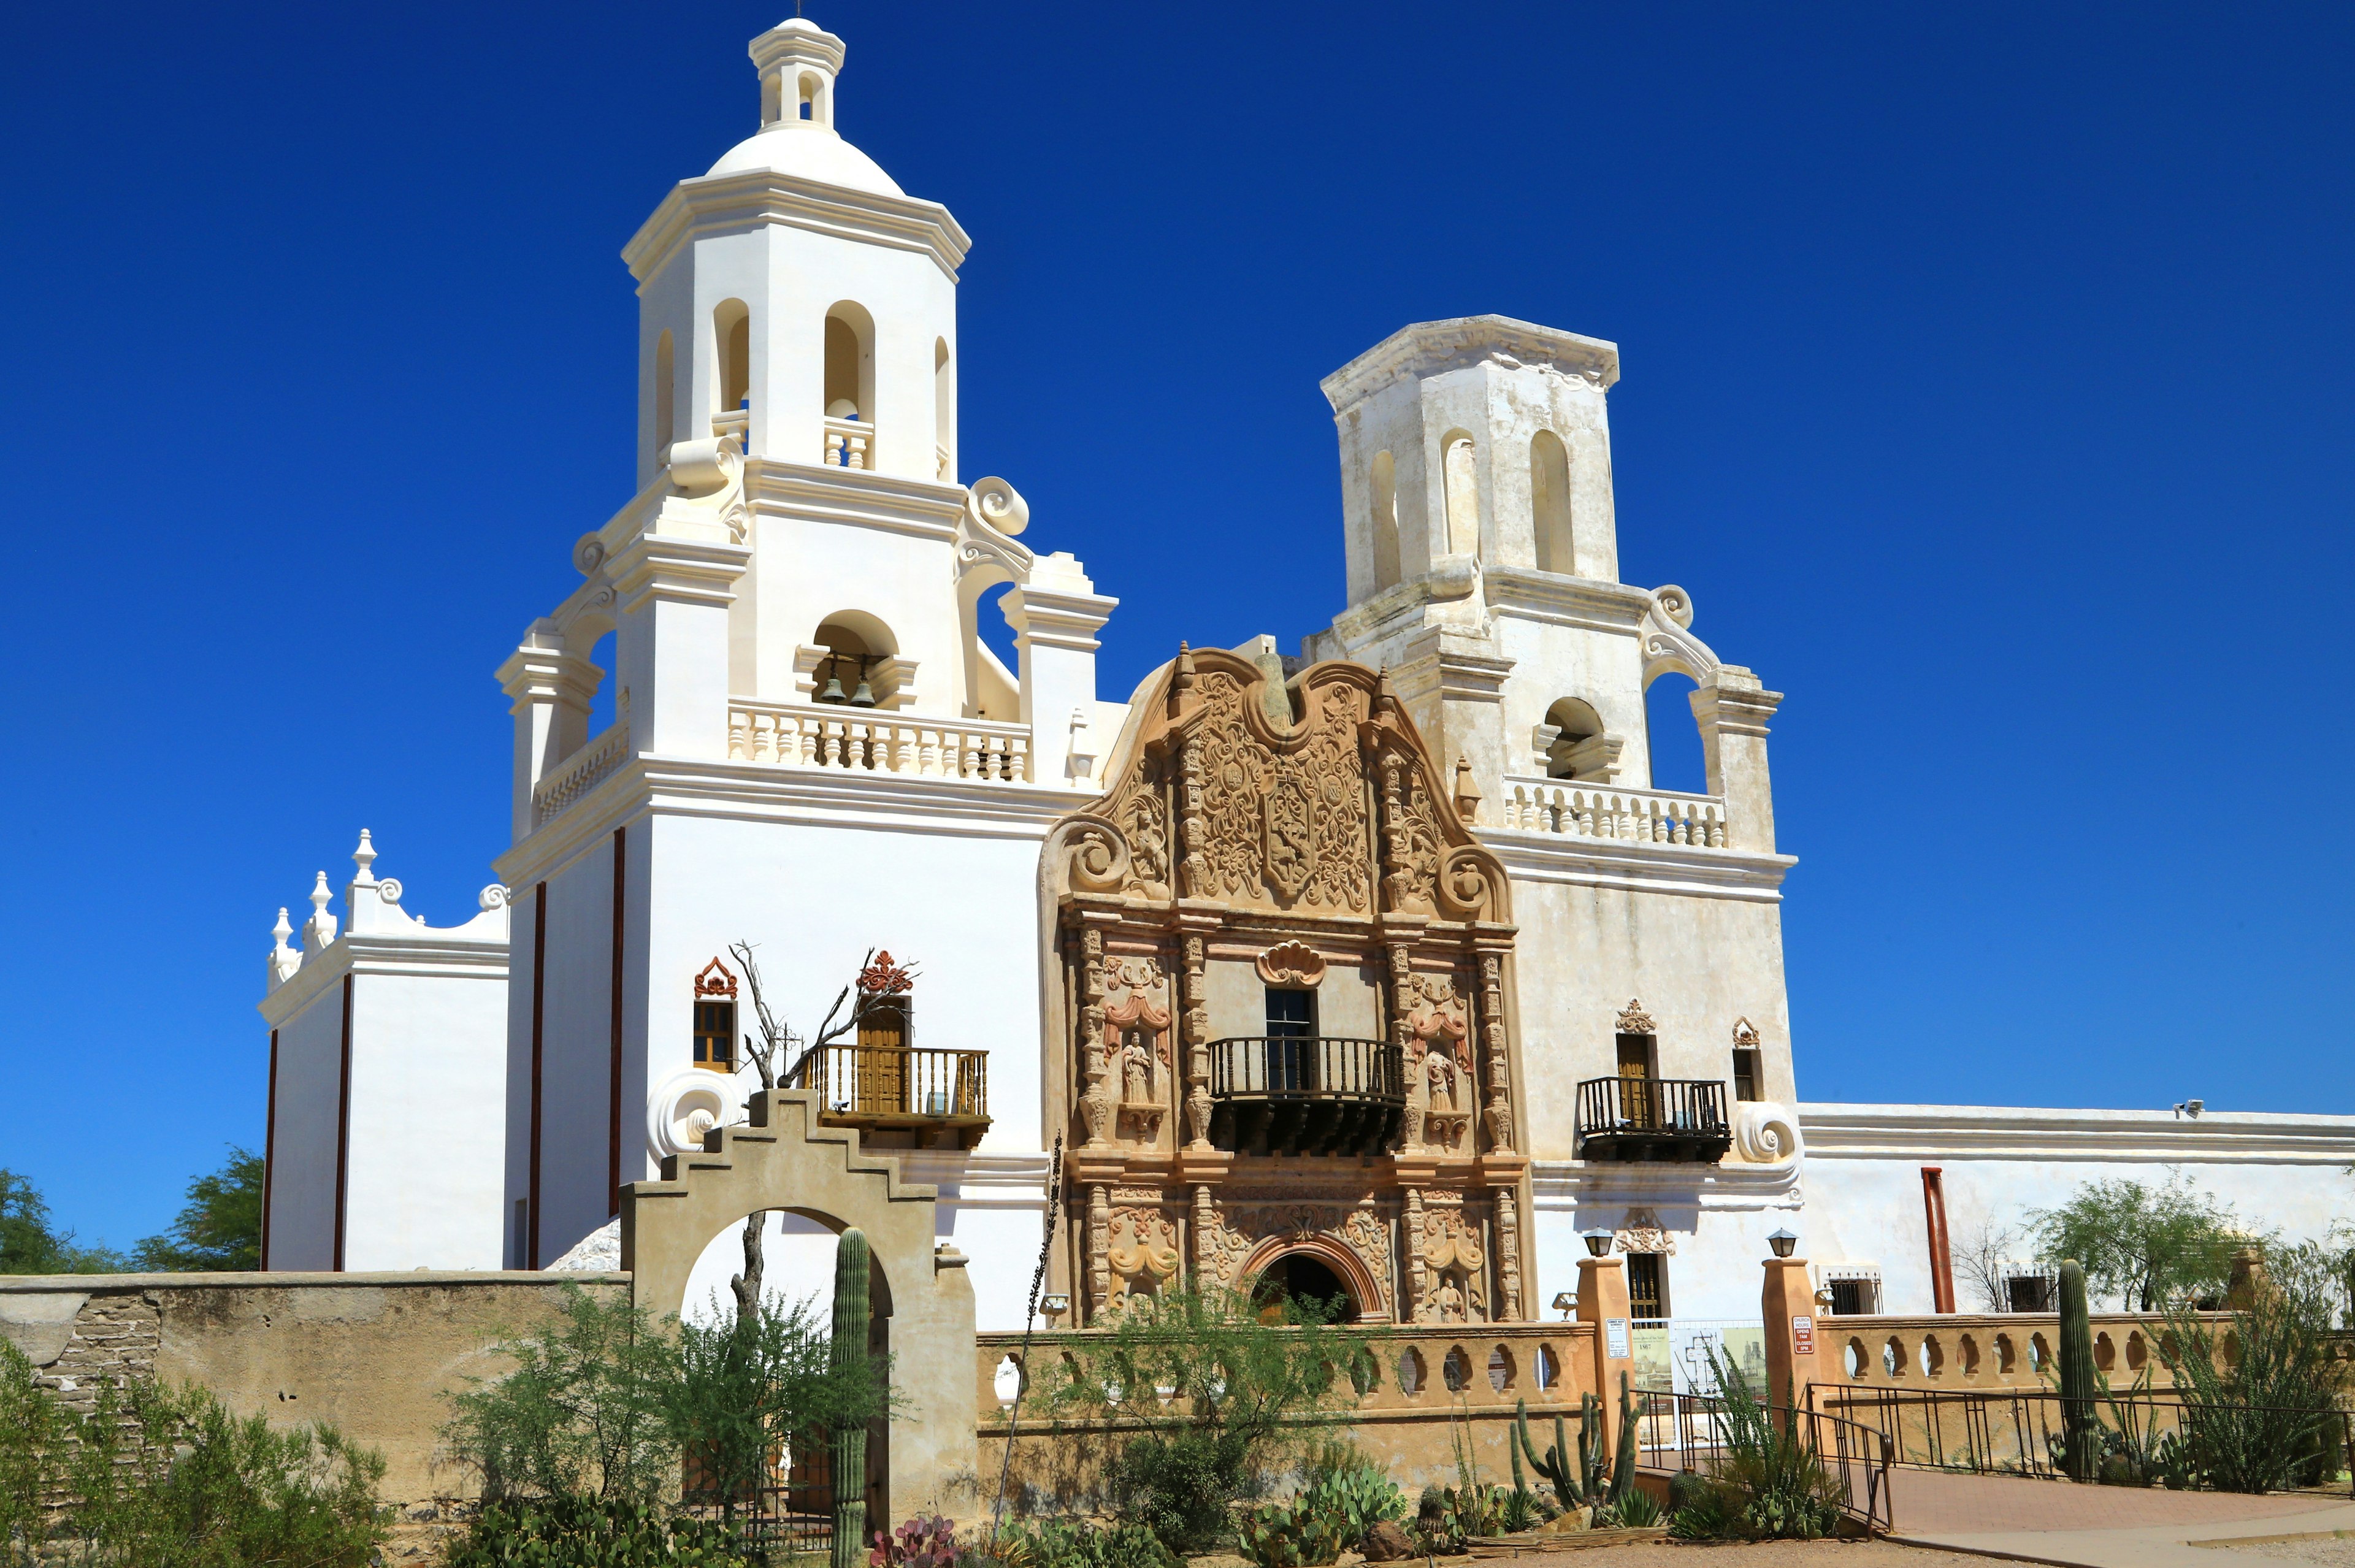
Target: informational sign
{"points": [[1614, 1339], [1803, 1336]]}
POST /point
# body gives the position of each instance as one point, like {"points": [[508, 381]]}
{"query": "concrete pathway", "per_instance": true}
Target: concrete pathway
{"points": [[2096, 1527]]}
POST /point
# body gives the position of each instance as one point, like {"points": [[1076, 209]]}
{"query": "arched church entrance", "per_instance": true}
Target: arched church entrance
{"points": [[1308, 1280]]}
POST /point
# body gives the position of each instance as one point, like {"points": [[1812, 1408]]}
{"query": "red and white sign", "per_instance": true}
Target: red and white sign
{"points": [[1803, 1336]]}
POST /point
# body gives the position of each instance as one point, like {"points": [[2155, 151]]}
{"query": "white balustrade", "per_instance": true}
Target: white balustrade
{"points": [[1600, 811], [579, 773], [847, 443], [822, 735]]}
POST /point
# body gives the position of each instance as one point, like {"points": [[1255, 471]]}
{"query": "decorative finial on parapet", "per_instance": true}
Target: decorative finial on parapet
{"points": [[320, 929], [1467, 793], [1181, 684], [283, 959], [364, 858]]}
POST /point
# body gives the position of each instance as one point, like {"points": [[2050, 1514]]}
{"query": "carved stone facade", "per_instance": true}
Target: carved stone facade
{"points": [[1280, 1033]]}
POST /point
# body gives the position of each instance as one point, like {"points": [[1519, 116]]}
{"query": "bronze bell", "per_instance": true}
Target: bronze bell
{"points": [[833, 692], [865, 696]]}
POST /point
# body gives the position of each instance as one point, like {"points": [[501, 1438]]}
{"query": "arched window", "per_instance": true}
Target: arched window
{"points": [[731, 323], [855, 662], [814, 108], [944, 411], [666, 390], [1673, 734], [849, 386], [1383, 483], [1549, 502], [1580, 749], [1463, 493]]}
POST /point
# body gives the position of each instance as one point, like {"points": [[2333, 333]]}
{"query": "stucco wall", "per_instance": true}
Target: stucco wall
{"points": [[374, 1353]]}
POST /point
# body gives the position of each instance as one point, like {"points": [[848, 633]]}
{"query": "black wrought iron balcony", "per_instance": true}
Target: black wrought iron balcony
{"points": [[1681, 1119], [1305, 1094]]}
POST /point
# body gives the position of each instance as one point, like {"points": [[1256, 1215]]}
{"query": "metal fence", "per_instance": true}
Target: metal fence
{"points": [[2020, 1432], [1690, 1431]]}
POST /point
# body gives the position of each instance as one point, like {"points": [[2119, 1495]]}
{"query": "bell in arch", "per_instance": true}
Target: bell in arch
{"points": [[865, 696]]}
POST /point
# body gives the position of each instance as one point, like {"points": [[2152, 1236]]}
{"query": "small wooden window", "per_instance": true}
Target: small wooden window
{"points": [[1853, 1297], [1648, 1285], [715, 1017], [715, 1035], [1746, 1082], [1291, 1023]]}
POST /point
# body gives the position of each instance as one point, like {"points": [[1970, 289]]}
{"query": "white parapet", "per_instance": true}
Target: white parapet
{"points": [[825, 735], [1587, 811]]}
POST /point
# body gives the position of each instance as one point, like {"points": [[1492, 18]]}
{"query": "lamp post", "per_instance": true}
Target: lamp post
{"points": [[1783, 1241], [1598, 1242]]}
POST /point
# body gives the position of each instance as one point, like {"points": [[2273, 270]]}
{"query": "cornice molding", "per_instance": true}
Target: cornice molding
{"points": [[1688, 870], [853, 497], [1996, 1131], [407, 953], [1555, 1185], [1433, 347], [1584, 601], [762, 791], [720, 203]]}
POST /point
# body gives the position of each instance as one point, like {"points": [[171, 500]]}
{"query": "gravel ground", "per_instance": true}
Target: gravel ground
{"points": [[2328, 1551]]}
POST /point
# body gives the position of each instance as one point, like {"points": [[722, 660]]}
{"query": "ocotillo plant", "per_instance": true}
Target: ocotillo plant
{"points": [[850, 1326], [2080, 1383]]}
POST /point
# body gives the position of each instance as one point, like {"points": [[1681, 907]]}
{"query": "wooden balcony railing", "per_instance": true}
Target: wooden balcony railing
{"points": [[1305, 1094], [1681, 1119], [935, 1094]]}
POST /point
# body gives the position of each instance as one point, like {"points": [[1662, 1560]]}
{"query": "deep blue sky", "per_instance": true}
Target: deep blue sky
{"points": [[1986, 380]]}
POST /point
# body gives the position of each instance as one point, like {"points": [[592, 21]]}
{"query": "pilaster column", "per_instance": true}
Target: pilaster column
{"points": [[1787, 1301], [1602, 1302], [1499, 1110], [1508, 1257], [1056, 616], [1099, 1253], [1733, 713], [549, 688], [1195, 1031], [675, 592]]}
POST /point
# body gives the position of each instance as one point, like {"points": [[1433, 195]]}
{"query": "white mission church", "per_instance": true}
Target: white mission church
{"points": [[1381, 971]]}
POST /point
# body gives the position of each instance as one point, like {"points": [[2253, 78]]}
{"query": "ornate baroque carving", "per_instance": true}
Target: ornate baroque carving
{"points": [[1096, 1102], [1508, 1255], [1499, 1109], [714, 981], [1633, 1019], [1291, 964]]}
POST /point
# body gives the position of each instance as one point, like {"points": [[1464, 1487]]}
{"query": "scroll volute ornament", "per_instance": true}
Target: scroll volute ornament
{"points": [[1291, 964]]}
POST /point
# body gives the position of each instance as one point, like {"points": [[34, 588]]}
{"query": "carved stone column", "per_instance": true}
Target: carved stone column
{"points": [[1194, 879], [1417, 1283], [1508, 1256], [1492, 1044], [1402, 1036], [1198, 1047], [1098, 1103], [1206, 1239], [1099, 1253]]}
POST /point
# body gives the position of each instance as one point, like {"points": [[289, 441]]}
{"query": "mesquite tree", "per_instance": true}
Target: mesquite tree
{"points": [[776, 1056]]}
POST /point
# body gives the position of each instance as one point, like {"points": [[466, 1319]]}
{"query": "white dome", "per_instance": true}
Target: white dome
{"points": [[810, 152]]}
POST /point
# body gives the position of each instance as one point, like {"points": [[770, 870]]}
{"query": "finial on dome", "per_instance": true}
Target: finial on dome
{"points": [[798, 61]]}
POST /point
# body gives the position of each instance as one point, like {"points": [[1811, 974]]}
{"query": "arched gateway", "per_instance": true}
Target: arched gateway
{"points": [[783, 1160]]}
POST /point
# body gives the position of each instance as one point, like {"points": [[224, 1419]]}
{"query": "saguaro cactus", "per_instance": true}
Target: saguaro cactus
{"points": [[1557, 1468], [1577, 1475], [2080, 1383], [850, 1330]]}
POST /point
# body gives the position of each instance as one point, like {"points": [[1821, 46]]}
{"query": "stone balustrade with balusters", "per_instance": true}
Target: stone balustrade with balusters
{"points": [[1602, 811], [821, 735]]}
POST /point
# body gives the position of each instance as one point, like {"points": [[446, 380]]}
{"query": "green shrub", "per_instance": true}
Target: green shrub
{"points": [[591, 1532], [1239, 1387], [162, 1477], [2255, 1420]]}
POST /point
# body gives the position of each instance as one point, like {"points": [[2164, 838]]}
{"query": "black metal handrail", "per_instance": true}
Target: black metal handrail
{"points": [[1306, 1067], [1629, 1104], [1692, 1432]]}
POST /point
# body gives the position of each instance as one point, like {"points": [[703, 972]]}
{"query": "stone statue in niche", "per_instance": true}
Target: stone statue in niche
{"points": [[1140, 1046], [1137, 1067]]}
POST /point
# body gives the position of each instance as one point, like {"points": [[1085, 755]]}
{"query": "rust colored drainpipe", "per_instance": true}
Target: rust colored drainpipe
{"points": [[1941, 1261]]}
